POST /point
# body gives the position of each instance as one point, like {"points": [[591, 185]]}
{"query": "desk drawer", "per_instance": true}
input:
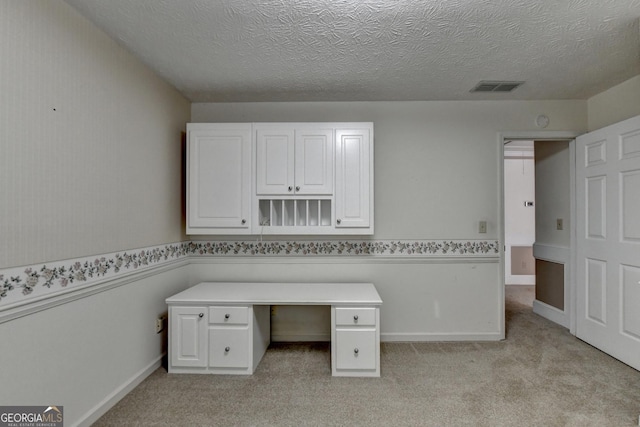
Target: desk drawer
{"points": [[222, 315], [356, 349], [229, 347], [363, 316]]}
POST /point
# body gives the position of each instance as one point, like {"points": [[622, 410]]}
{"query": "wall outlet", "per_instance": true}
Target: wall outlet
{"points": [[274, 310], [482, 227], [160, 324], [559, 224]]}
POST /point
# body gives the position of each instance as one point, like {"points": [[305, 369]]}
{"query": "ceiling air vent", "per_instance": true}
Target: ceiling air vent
{"points": [[496, 86]]}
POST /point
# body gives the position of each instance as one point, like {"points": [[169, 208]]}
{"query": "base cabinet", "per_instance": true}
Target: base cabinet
{"points": [[217, 339], [356, 341], [225, 327]]}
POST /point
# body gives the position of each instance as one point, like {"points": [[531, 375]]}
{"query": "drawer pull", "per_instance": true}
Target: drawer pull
{"points": [[201, 315], [355, 318], [356, 351], [227, 349], [226, 316]]}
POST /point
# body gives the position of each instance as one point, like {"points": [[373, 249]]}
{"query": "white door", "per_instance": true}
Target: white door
{"points": [[274, 160], [353, 196], [608, 240], [219, 178], [188, 336], [314, 161]]}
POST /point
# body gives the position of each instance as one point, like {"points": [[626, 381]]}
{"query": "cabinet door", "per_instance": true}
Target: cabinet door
{"points": [[274, 160], [219, 179], [314, 161], [354, 170], [188, 336]]}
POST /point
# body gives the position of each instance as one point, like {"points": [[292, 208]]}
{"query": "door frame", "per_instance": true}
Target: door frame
{"points": [[538, 135]]}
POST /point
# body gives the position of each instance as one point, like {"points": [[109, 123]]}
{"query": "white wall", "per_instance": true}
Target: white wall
{"points": [[519, 220], [436, 170], [614, 105], [436, 175], [552, 183], [89, 141], [90, 149]]}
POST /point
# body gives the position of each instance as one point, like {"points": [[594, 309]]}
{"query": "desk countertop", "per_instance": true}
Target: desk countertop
{"points": [[278, 294]]}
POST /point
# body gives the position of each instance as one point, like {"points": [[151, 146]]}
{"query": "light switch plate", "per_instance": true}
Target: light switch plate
{"points": [[482, 227]]}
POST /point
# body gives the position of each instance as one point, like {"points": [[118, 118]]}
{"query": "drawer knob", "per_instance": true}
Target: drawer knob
{"points": [[298, 188], [227, 349], [338, 220], [226, 316], [356, 351], [244, 221], [201, 315], [355, 318], [290, 188]]}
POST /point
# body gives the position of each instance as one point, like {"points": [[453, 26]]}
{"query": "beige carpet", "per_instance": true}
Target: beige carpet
{"points": [[539, 376]]}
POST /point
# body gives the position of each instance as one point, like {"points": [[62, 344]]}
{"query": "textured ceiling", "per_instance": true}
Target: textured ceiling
{"points": [[363, 50]]}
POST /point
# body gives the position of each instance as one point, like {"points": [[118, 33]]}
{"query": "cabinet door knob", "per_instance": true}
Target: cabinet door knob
{"points": [[201, 315], [290, 188], [226, 316], [355, 318], [244, 221], [338, 220], [356, 351], [298, 188], [227, 349]]}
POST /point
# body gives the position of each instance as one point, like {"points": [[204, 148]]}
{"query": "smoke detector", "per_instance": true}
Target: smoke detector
{"points": [[496, 86]]}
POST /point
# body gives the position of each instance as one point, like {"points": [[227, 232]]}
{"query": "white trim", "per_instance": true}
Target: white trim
{"points": [[569, 291], [552, 313], [437, 336], [110, 401], [44, 302], [552, 253]]}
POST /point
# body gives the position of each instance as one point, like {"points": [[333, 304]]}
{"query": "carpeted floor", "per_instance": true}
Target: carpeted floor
{"points": [[539, 376]]}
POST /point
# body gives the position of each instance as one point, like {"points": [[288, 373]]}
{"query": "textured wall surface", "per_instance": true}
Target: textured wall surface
{"points": [[355, 50], [89, 141]]}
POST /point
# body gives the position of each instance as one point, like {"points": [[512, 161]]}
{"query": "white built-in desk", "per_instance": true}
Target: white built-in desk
{"points": [[224, 327]]}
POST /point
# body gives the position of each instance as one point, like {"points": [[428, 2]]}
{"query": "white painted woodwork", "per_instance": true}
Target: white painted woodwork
{"points": [[314, 161], [237, 323], [219, 179], [294, 159], [189, 348], [294, 189], [275, 160], [608, 240], [354, 161]]}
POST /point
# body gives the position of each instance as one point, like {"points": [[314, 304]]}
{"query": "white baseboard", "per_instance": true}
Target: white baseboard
{"points": [[435, 337], [549, 312], [109, 402]]}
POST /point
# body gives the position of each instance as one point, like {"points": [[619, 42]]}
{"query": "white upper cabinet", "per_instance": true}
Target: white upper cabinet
{"points": [[218, 178], [354, 178], [292, 160], [280, 178]]}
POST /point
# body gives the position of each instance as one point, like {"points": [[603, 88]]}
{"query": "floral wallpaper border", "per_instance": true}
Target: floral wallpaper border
{"points": [[22, 283]]}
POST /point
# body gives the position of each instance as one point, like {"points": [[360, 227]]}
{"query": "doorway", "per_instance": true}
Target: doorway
{"points": [[539, 255]]}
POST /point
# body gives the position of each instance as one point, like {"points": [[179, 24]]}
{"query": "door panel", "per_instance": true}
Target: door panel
{"points": [[608, 240]]}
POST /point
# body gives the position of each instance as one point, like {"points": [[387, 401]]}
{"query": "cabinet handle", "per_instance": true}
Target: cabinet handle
{"points": [[355, 318], [244, 221], [227, 349], [298, 188], [290, 188], [226, 316], [338, 220], [356, 351], [201, 315]]}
